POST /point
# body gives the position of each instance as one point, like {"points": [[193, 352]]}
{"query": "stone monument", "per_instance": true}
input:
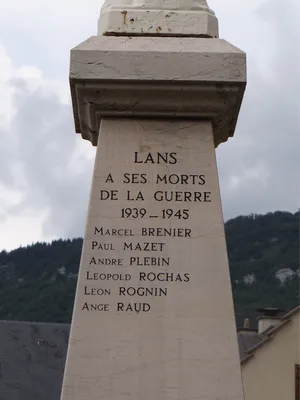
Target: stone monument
{"points": [[156, 91]]}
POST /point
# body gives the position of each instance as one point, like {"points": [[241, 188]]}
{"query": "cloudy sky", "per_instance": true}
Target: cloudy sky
{"points": [[46, 170]]}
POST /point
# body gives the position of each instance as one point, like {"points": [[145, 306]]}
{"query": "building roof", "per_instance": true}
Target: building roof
{"points": [[248, 351], [247, 340], [32, 356]]}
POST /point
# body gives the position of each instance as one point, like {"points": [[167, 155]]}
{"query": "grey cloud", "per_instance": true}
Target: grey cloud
{"points": [[268, 131], [41, 142], [44, 145]]}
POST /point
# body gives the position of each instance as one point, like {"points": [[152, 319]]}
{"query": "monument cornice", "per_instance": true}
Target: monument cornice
{"points": [[140, 77]]}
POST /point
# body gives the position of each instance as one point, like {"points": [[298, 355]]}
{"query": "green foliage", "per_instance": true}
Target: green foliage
{"points": [[261, 245], [38, 282]]}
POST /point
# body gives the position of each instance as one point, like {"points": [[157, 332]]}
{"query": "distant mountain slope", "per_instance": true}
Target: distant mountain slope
{"points": [[263, 254], [38, 283]]}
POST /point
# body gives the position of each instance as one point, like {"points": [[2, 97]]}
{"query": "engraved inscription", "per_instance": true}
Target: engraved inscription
{"points": [[134, 259]]}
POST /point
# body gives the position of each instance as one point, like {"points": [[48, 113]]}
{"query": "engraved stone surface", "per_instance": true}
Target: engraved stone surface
{"points": [[153, 316], [156, 17]]}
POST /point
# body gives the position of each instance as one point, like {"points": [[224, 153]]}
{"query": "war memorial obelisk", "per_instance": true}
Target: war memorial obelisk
{"points": [[156, 91]]}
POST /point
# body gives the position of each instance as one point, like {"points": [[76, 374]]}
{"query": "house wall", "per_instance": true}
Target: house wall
{"points": [[270, 374]]}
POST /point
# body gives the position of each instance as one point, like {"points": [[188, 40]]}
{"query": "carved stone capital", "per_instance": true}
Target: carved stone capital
{"points": [[128, 77]]}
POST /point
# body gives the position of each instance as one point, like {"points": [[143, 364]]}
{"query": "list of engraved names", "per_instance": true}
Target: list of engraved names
{"points": [[137, 268]]}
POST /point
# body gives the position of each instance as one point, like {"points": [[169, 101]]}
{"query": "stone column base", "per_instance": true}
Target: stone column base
{"points": [[153, 315]]}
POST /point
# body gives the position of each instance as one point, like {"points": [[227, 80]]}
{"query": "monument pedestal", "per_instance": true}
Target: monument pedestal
{"points": [[153, 314]]}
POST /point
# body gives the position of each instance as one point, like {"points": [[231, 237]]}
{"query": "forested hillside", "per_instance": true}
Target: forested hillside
{"points": [[37, 283]]}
